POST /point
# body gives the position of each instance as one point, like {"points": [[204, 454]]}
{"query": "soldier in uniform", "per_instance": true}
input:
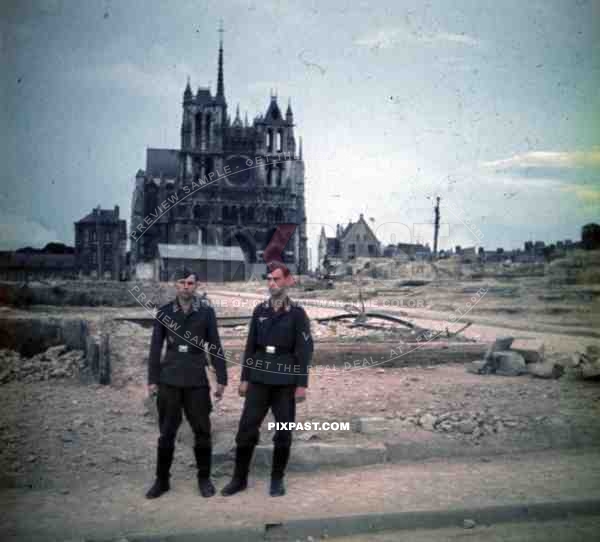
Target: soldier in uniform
{"points": [[180, 382], [274, 375]]}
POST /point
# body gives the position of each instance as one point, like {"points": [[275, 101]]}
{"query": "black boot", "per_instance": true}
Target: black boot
{"points": [[281, 455], [239, 482], [164, 459], [203, 462]]}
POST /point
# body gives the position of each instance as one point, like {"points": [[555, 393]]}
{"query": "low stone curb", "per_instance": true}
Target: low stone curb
{"points": [[371, 523]]}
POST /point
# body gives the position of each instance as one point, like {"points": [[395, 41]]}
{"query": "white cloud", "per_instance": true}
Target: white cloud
{"points": [[388, 38], [546, 159], [586, 194]]}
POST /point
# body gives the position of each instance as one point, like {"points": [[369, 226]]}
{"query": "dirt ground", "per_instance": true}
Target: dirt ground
{"points": [[60, 433]]}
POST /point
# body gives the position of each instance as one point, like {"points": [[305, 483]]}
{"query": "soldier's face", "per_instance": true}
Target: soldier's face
{"points": [[186, 287], [277, 282]]}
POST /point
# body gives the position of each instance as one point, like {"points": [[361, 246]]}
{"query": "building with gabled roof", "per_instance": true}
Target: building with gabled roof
{"points": [[354, 240]]}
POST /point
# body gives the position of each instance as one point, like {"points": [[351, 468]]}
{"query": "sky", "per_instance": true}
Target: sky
{"points": [[493, 106]]}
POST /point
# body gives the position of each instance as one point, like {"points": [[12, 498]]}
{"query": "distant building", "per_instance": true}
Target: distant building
{"points": [[408, 251], [54, 261], [468, 254], [590, 236], [213, 263], [355, 240], [100, 245]]}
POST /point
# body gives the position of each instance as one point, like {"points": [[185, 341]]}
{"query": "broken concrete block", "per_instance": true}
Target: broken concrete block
{"points": [[509, 363], [466, 427], [546, 370], [592, 351], [428, 421], [587, 366], [531, 349], [369, 425], [502, 343]]}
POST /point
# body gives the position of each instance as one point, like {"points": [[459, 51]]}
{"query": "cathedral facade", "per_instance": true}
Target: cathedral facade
{"points": [[230, 184]]}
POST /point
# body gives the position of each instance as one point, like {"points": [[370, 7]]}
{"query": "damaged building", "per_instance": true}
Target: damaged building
{"points": [[231, 183], [356, 240]]}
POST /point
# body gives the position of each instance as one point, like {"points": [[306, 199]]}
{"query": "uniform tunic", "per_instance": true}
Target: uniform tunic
{"points": [[287, 332], [186, 334]]}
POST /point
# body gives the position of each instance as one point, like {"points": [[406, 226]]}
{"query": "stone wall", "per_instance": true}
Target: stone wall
{"points": [[84, 293]]}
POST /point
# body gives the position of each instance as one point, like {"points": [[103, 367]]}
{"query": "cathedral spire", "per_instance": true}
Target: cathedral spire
{"points": [[220, 84], [187, 93], [237, 121]]}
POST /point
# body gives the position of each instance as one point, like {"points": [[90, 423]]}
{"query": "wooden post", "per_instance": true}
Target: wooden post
{"points": [[104, 361]]}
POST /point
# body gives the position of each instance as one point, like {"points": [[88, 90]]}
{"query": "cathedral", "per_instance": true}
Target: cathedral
{"points": [[231, 184]]}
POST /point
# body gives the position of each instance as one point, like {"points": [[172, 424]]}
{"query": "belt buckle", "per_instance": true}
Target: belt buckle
{"points": [[270, 349], [182, 348]]}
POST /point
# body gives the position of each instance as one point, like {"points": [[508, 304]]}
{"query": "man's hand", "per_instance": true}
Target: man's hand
{"points": [[300, 395], [152, 390], [219, 392], [243, 389]]}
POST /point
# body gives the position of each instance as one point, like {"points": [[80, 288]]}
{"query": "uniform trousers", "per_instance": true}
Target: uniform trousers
{"points": [[259, 398], [197, 406]]}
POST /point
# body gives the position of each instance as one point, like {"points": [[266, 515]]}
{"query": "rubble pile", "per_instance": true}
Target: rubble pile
{"points": [[587, 365], [508, 359], [475, 424], [339, 329], [468, 424], [56, 362]]}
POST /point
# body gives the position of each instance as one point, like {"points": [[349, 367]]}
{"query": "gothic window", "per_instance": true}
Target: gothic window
{"points": [[210, 165], [198, 129], [197, 212], [270, 175], [279, 140], [207, 126], [279, 174], [93, 235], [270, 140]]}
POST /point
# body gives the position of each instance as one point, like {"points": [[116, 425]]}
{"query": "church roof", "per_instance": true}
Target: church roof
{"points": [[162, 162], [273, 114], [352, 225]]}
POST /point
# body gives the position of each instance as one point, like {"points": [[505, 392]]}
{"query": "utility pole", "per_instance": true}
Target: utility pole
{"points": [[436, 228]]}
